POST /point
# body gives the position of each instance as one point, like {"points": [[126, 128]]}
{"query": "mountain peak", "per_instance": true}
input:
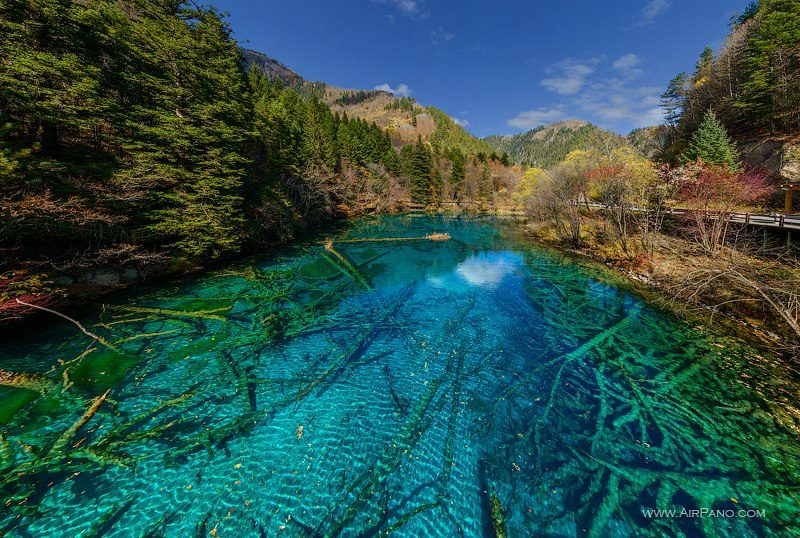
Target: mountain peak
{"points": [[547, 145], [271, 67], [573, 124]]}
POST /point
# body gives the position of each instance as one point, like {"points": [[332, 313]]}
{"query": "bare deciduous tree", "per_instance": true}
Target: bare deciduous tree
{"points": [[712, 194], [559, 194], [739, 282]]}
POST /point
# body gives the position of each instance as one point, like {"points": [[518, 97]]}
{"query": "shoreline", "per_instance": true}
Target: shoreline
{"points": [[656, 292], [79, 294], [637, 280]]}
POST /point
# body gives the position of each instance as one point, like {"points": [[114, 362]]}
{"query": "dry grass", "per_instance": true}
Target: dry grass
{"points": [[758, 293]]}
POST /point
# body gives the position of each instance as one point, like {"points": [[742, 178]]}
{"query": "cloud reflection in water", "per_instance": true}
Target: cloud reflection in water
{"points": [[487, 269]]}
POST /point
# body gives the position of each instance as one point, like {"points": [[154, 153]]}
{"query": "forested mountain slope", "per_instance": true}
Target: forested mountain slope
{"points": [[650, 141], [402, 117], [134, 141], [546, 146], [752, 84]]}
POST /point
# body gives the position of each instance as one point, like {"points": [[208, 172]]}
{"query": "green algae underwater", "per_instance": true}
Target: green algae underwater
{"points": [[478, 386]]}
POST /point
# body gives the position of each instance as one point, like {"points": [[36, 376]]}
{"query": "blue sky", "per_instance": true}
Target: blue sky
{"points": [[496, 66]]}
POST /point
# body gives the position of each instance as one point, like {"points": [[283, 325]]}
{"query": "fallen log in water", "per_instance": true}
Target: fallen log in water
{"points": [[498, 518], [6, 454], [137, 420], [70, 432], [577, 353], [417, 422], [367, 482], [345, 266], [34, 382], [439, 236], [111, 517], [68, 455], [210, 438], [202, 314], [359, 345]]}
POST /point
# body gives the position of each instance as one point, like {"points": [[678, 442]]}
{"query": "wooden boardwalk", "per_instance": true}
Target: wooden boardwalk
{"points": [[781, 221], [772, 220]]}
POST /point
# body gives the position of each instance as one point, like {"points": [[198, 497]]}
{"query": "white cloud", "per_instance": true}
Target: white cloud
{"points": [[409, 8], [598, 90], [653, 116], [654, 8], [461, 122], [533, 118], [649, 13], [615, 100], [439, 35], [628, 65], [402, 90], [569, 76]]}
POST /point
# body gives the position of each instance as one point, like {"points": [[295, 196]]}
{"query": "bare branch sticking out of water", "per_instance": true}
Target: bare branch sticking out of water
{"points": [[77, 323]]}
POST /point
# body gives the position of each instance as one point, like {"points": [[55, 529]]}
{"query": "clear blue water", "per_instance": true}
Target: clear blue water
{"points": [[410, 387]]}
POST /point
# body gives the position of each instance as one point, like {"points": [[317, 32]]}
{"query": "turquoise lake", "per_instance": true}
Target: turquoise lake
{"points": [[459, 387]]}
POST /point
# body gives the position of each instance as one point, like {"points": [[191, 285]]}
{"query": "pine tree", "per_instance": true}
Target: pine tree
{"points": [[745, 15], [319, 134], [417, 165], [141, 121], [674, 99], [345, 138], [200, 207], [458, 163], [436, 185], [711, 145], [704, 65], [280, 133], [141, 115], [9, 158], [391, 160], [770, 67]]}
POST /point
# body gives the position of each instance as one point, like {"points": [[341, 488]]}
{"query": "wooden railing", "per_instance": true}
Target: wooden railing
{"points": [[768, 220]]}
